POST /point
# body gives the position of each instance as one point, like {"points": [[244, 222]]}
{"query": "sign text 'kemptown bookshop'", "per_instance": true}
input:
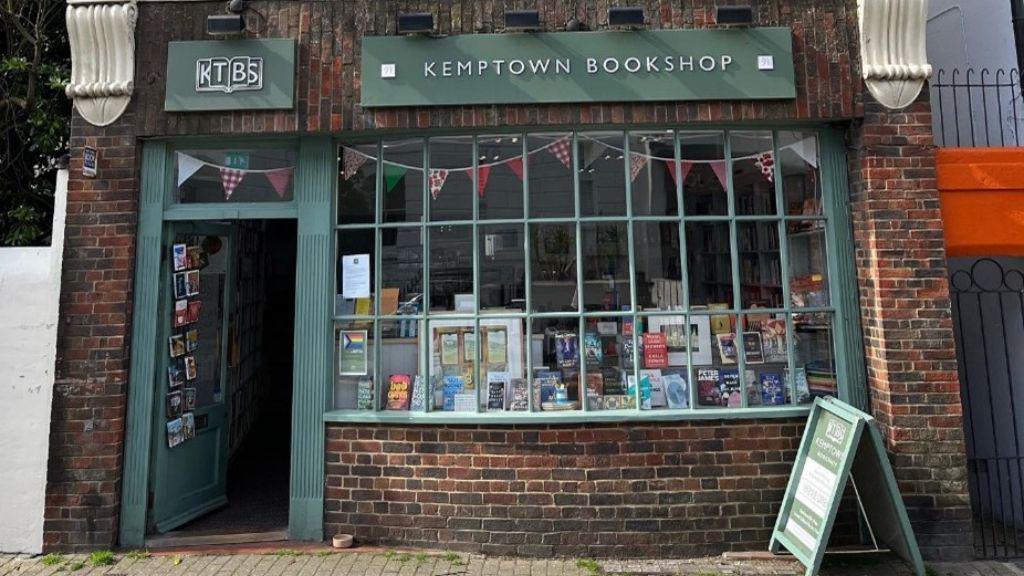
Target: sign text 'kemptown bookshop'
{"points": [[617, 66]]}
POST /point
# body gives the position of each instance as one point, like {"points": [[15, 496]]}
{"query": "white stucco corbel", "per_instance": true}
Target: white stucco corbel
{"points": [[892, 47], [102, 38]]}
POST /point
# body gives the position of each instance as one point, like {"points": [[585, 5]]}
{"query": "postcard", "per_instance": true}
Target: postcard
{"points": [[188, 425], [180, 257], [190, 399], [177, 345], [175, 434], [180, 285], [191, 340], [190, 368], [180, 313], [175, 403], [192, 282]]}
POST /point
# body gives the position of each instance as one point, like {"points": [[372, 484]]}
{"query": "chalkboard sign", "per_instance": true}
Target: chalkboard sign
{"points": [[841, 443]]}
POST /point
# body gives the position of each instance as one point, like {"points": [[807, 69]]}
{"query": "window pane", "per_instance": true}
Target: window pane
{"points": [[556, 364], [502, 268], [239, 175], [503, 366], [716, 370], [450, 178], [500, 176], [401, 363], [753, 175], [451, 269], [708, 259], [357, 184], [551, 186], [452, 365], [808, 265], [652, 166], [605, 267], [353, 366], [764, 348], [760, 264], [801, 182], [608, 355], [553, 267], [659, 278], [401, 259], [602, 174], [814, 356], [359, 246], [403, 180], [703, 171], [664, 345]]}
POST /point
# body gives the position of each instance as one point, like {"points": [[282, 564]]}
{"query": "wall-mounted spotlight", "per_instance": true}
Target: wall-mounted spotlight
{"points": [[224, 24], [415, 23], [626, 17], [735, 15], [522, 20]]}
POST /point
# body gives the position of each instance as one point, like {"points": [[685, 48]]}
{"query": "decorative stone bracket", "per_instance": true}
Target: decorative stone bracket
{"points": [[102, 38], [893, 49]]}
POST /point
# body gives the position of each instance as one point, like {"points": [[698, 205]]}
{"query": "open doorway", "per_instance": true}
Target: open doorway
{"points": [[248, 293]]}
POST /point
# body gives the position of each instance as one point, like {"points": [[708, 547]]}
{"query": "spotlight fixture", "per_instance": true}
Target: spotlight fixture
{"points": [[574, 25], [224, 24], [735, 15], [415, 23], [236, 6], [522, 20], [626, 17]]}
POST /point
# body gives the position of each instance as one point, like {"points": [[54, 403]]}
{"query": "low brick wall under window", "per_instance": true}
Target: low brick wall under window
{"points": [[663, 489]]}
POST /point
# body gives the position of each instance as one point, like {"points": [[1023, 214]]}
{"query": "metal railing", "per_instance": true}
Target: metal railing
{"points": [[973, 109]]}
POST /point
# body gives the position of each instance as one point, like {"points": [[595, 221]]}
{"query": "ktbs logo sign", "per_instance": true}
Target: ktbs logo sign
{"points": [[227, 75]]}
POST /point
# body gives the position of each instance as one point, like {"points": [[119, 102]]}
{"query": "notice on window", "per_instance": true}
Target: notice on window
{"points": [[355, 276], [352, 357]]}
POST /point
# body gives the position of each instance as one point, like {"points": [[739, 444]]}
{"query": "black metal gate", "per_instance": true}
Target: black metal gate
{"points": [[988, 313]]}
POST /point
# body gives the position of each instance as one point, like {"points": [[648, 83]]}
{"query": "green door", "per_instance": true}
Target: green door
{"points": [[189, 469]]}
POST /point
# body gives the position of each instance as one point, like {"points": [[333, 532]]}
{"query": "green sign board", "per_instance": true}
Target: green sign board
{"points": [[841, 444], [236, 160], [612, 66], [230, 75]]}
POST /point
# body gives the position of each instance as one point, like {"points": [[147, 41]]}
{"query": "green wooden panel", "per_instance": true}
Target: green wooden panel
{"points": [[138, 436], [201, 75], [314, 187], [607, 66]]}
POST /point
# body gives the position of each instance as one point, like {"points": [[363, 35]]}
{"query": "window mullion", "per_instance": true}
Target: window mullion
{"points": [[580, 288], [528, 267], [475, 198], [737, 288], [627, 168], [780, 208], [684, 267], [428, 337]]}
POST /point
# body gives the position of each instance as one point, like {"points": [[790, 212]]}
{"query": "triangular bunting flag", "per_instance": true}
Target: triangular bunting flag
{"points": [[766, 162], [351, 162], [718, 166], [279, 179], [437, 178], [230, 179], [516, 165], [686, 167], [636, 164], [392, 176], [562, 149], [482, 174], [187, 166], [807, 149]]}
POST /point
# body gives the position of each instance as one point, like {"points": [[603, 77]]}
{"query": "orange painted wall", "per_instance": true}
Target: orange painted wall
{"points": [[982, 196]]}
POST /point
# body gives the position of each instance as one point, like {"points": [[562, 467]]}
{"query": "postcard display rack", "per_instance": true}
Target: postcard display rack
{"points": [[182, 367]]}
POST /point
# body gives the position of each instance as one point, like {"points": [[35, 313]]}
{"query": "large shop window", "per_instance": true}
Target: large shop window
{"points": [[582, 272]]}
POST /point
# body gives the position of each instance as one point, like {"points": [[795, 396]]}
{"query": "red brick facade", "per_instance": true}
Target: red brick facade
{"points": [[725, 479]]}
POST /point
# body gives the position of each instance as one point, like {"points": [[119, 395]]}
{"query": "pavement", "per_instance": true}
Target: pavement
{"points": [[322, 561]]}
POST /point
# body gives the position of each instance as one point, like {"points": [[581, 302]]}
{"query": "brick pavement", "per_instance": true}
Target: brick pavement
{"points": [[413, 563]]}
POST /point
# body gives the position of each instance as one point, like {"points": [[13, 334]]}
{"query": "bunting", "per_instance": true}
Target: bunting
{"points": [[516, 166], [436, 181], [230, 178], [351, 162], [279, 179], [482, 174], [562, 149], [393, 174], [718, 166], [187, 166], [766, 162], [636, 164], [685, 167]]}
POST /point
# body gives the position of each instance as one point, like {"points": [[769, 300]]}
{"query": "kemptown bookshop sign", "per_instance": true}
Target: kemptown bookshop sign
{"points": [[230, 75], [615, 66]]}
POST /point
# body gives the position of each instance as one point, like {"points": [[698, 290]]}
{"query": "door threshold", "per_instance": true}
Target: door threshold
{"points": [[181, 539]]}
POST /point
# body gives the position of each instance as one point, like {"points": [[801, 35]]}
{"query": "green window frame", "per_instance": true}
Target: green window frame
{"points": [[846, 353]]}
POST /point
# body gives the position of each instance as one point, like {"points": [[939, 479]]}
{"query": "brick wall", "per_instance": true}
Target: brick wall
{"points": [[908, 330], [87, 430], [666, 490]]}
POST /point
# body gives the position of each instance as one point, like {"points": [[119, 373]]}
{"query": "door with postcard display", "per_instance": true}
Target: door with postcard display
{"points": [[191, 415]]}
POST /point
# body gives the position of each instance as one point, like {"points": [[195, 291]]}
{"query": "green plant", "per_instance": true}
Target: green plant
{"points": [[389, 554], [175, 560], [137, 554], [421, 558], [590, 565], [102, 558], [323, 553], [52, 559], [403, 558], [76, 566], [454, 558]]}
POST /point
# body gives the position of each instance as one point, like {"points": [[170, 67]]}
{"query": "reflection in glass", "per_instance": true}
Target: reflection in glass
{"points": [[358, 243], [550, 176], [354, 383], [760, 264], [607, 352], [652, 167], [556, 349], [453, 357], [205, 183], [553, 267], [815, 356], [502, 268], [753, 174], [605, 267], [357, 184], [808, 264], [451, 269], [403, 180], [703, 169], [801, 182], [450, 179], [602, 174], [709, 262], [504, 386], [500, 176], [401, 262], [659, 277]]}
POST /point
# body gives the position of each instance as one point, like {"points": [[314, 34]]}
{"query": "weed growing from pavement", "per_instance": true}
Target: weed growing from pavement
{"points": [[284, 552], [589, 565], [137, 554], [454, 558], [76, 566], [421, 558], [52, 559], [176, 560]]}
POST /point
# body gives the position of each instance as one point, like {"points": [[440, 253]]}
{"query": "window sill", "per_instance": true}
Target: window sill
{"points": [[474, 418]]}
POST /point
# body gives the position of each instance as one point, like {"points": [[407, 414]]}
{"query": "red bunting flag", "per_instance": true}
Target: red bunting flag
{"points": [[436, 182], [279, 179], [766, 162], [482, 174], [685, 168], [230, 179], [562, 149], [516, 165], [636, 164], [718, 166]]}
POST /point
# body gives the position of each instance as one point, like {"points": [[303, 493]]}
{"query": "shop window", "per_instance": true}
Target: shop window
{"points": [[234, 175], [654, 271]]}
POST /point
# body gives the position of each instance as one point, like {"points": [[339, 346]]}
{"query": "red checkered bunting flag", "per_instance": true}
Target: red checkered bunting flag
{"points": [[351, 162], [230, 179], [766, 162], [436, 182], [636, 164], [562, 149]]}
